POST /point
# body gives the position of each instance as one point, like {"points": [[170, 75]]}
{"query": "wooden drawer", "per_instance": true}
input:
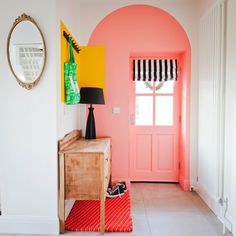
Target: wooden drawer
{"points": [[82, 173]]}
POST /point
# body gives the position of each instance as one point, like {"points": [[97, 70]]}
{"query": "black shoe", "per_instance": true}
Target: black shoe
{"points": [[122, 185], [115, 192]]}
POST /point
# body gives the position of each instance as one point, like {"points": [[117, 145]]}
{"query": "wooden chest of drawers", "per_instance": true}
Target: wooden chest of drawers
{"points": [[85, 172]]}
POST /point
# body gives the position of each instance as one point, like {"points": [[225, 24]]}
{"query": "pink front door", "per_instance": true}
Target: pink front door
{"points": [[154, 128]]}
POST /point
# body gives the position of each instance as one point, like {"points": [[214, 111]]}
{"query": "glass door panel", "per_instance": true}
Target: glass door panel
{"points": [[164, 111], [144, 110]]}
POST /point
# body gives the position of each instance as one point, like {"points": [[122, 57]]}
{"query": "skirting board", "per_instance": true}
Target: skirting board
{"points": [[214, 205], [29, 225], [208, 199], [193, 185], [231, 223]]}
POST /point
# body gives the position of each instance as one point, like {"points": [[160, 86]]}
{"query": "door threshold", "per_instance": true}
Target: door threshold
{"points": [[154, 182]]}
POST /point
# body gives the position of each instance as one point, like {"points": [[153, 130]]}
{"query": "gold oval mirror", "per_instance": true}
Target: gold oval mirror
{"points": [[26, 51]]}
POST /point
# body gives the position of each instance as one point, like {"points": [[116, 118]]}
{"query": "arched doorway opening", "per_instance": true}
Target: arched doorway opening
{"points": [[140, 30]]}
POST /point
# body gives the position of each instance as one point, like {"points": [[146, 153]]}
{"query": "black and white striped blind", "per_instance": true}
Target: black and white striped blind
{"points": [[154, 70]]}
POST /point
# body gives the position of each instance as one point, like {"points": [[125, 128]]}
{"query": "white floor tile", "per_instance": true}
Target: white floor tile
{"points": [[3, 234], [68, 233], [164, 210], [92, 234], [34, 234]]}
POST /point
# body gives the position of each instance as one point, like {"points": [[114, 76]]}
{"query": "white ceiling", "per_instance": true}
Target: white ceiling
{"points": [[135, 1]]}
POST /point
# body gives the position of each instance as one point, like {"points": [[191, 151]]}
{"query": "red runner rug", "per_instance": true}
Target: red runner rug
{"points": [[85, 215]]}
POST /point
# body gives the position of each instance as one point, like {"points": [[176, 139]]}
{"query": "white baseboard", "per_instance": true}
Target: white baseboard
{"points": [[230, 223], [193, 185], [215, 206], [212, 203], [29, 225]]}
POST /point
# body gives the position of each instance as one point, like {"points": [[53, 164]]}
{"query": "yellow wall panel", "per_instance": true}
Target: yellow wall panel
{"points": [[92, 67]]}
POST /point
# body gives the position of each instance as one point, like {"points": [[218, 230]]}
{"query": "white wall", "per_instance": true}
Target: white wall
{"points": [[204, 5], [92, 12], [229, 162], [32, 122], [28, 137], [69, 116]]}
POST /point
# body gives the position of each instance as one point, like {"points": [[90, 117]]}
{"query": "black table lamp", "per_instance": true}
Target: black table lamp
{"points": [[89, 95]]}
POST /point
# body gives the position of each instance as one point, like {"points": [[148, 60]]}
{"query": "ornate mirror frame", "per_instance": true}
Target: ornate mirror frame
{"points": [[18, 20]]}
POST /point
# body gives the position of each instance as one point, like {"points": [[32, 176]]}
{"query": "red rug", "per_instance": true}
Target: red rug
{"points": [[85, 215]]}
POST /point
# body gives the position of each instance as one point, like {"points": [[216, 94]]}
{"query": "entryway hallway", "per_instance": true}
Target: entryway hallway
{"points": [[164, 210]]}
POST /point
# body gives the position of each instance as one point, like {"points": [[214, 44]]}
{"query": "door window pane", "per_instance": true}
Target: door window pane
{"points": [[164, 110], [144, 110], [164, 87], [143, 87]]}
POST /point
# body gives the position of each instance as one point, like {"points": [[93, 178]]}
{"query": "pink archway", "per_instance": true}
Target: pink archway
{"points": [[145, 29]]}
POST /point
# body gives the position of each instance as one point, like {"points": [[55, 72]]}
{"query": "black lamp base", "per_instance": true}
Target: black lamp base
{"points": [[90, 127]]}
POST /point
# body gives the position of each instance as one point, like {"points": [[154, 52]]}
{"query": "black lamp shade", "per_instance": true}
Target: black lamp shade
{"points": [[90, 95]]}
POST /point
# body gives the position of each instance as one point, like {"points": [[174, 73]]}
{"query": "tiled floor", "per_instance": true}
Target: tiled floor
{"points": [[165, 210]]}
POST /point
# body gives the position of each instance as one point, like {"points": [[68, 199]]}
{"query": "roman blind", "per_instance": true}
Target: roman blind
{"points": [[154, 70]]}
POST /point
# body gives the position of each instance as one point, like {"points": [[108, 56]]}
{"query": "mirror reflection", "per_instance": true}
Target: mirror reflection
{"points": [[26, 51]]}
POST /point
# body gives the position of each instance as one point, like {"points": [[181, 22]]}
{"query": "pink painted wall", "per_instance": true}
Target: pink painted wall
{"points": [[131, 29], [184, 134]]}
